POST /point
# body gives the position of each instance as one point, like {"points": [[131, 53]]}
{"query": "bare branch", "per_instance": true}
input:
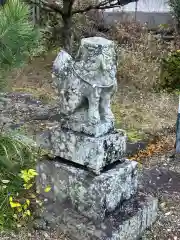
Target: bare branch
{"points": [[106, 4], [48, 6]]}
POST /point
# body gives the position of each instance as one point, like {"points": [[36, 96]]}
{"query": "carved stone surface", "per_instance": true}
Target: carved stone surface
{"points": [[86, 84], [127, 222], [94, 153], [95, 131], [93, 196]]}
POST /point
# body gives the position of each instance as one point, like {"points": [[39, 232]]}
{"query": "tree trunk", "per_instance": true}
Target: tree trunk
{"points": [[67, 33]]}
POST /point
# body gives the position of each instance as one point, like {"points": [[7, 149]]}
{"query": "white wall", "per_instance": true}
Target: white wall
{"points": [[153, 19], [149, 6], [154, 12]]}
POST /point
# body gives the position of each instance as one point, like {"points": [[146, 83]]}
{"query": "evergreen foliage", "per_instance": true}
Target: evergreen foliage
{"points": [[17, 37]]}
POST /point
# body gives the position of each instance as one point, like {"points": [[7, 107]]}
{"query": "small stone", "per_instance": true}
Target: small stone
{"points": [[163, 206], [46, 235], [167, 214], [40, 224]]}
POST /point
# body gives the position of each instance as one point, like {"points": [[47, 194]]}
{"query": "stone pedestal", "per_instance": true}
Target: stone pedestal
{"points": [[90, 207], [93, 196], [125, 223], [87, 206], [92, 152]]}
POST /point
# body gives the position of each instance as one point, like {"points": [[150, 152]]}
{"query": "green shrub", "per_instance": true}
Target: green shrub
{"points": [[170, 72], [18, 39], [19, 196], [16, 154]]}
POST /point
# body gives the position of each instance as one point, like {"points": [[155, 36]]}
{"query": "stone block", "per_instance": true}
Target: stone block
{"points": [[127, 222], [97, 130], [93, 196], [92, 152]]}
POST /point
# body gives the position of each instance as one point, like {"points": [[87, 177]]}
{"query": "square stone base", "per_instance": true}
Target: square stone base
{"points": [[91, 130], [93, 196], [125, 223], [92, 152], [79, 122]]}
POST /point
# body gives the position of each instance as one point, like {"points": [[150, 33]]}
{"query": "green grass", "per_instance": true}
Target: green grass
{"points": [[133, 134]]}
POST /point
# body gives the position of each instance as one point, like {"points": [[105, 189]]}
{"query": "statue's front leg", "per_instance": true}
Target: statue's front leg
{"points": [[93, 111], [105, 105]]}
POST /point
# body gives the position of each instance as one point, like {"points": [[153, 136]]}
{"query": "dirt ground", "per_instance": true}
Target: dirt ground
{"points": [[35, 78], [139, 113], [163, 181]]}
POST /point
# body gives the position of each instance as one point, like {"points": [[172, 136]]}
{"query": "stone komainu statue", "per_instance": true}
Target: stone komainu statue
{"points": [[86, 84]]}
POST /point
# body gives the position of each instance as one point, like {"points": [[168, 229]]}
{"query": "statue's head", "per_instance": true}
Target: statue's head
{"points": [[96, 58], [61, 69]]}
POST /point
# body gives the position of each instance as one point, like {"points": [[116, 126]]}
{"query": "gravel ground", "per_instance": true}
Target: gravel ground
{"points": [[163, 180], [33, 235]]}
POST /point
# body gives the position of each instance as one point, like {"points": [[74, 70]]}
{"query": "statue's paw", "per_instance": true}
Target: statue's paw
{"points": [[109, 117], [94, 121]]}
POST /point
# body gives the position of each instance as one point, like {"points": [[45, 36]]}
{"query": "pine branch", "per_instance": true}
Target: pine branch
{"points": [[17, 36]]}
